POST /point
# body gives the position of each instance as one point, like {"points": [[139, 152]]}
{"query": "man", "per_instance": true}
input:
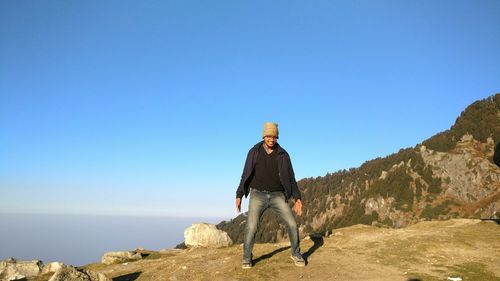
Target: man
{"points": [[269, 178]]}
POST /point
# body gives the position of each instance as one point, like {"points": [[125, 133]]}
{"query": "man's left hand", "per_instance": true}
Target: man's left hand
{"points": [[297, 207]]}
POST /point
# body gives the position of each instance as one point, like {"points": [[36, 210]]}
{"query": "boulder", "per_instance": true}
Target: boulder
{"points": [[206, 235], [11, 269], [52, 267], [119, 257], [70, 273]]}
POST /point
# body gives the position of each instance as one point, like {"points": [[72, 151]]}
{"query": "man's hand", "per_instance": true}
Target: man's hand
{"points": [[238, 205], [297, 207]]}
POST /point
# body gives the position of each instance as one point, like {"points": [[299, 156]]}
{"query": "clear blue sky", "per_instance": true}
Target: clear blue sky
{"points": [[149, 107]]}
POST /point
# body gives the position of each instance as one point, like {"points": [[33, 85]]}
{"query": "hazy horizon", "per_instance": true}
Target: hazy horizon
{"points": [[82, 239]]}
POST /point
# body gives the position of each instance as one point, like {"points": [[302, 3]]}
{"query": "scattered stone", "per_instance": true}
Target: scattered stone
{"points": [[11, 269], [119, 257], [70, 273], [206, 235], [140, 249]]}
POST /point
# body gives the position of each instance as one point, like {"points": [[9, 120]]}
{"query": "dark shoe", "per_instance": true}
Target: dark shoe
{"points": [[298, 260]]}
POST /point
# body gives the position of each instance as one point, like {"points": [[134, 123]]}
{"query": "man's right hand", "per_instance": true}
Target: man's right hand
{"points": [[238, 205]]}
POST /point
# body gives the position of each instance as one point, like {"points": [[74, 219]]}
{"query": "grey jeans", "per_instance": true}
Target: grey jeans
{"points": [[259, 202]]}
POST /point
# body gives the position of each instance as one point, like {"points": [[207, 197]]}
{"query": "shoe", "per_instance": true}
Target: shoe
{"points": [[298, 260], [246, 265]]}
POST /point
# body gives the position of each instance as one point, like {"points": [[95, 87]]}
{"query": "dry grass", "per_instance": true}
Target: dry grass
{"points": [[469, 249]]}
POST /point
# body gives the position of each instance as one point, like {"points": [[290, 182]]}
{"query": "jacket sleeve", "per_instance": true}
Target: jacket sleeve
{"points": [[295, 188], [247, 169], [496, 156]]}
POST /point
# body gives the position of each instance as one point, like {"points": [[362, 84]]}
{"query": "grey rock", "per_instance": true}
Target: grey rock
{"points": [[11, 269], [70, 273], [380, 205], [52, 267], [119, 257], [468, 177], [206, 235]]}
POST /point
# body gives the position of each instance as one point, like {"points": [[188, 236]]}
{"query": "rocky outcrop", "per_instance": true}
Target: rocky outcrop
{"points": [[69, 273], [12, 269], [120, 257], [379, 205], [206, 235], [469, 175]]}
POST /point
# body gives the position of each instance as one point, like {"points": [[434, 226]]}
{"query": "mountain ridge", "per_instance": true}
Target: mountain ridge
{"points": [[450, 174]]}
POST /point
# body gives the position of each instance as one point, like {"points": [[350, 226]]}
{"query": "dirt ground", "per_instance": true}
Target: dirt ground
{"points": [[437, 250]]}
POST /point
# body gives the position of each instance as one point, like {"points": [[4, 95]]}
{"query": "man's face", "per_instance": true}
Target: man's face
{"points": [[270, 141]]}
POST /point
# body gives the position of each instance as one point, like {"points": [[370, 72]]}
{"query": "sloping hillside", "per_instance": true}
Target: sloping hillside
{"points": [[450, 175]]}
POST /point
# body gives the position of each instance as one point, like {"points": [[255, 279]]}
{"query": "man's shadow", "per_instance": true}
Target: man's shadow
{"points": [[128, 277], [317, 240], [266, 256]]}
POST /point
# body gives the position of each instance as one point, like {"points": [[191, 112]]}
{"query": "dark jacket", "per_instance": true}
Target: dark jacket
{"points": [[496, 156], [286, 174]]}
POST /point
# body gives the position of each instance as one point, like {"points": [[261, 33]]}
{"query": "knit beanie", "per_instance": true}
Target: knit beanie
{"points": [[270, 129]]}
